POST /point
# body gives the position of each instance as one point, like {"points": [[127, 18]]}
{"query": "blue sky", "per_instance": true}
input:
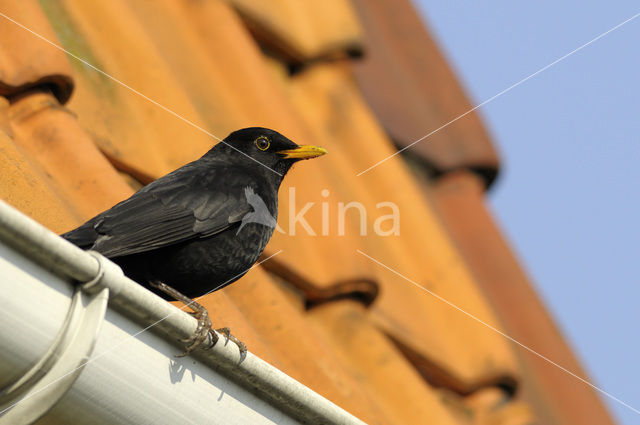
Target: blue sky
{"points": [[568, 197]]}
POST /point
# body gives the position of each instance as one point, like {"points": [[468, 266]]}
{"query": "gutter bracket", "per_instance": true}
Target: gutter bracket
{"points": [[109, 276], [38, 390]]}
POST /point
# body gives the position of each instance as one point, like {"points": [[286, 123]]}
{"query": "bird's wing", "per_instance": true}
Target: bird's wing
{"points": [[178, 207]]}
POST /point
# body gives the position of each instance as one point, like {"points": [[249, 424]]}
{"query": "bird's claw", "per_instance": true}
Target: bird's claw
{"points": [[202, 332], [241, 345], [225, 331]]}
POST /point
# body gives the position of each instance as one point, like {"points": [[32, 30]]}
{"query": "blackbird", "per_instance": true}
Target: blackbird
{"points": [[201, 227]]}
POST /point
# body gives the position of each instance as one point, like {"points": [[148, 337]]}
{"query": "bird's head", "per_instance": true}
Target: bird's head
{"points": [[266, 148]]}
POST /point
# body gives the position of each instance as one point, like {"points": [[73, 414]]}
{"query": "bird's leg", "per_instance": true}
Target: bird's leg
{"points": [[199, 312]]}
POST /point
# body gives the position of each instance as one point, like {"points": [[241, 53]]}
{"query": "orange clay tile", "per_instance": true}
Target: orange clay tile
{"points": [[68, 180], [78, 173], [557, 397], [301, 31], [379, 367], [413, 92], [243, 66], [5, 125], [28, 61], [201, 52], [515, 413], [301, 351], [469, 353], [139, 136], [24, 186], [487, 406]]}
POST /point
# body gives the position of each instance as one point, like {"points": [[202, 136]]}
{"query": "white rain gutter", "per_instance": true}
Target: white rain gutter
{"points": [[74, 349]]}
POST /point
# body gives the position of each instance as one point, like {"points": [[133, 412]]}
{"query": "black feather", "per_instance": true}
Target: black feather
{"points": [[181, 229]]}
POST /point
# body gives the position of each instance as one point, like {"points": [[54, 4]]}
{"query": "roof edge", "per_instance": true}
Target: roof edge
{"points": [[94, 273]]}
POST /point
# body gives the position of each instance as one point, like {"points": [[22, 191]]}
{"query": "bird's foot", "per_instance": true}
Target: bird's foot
{"points": [[203, 331], [241, 346]]}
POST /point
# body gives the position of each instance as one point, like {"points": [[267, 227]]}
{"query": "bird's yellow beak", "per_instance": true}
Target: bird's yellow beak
{"points": [[303, 152]]}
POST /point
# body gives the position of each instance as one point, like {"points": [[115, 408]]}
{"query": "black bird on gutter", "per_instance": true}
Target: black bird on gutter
{"points": [[197, 230]]}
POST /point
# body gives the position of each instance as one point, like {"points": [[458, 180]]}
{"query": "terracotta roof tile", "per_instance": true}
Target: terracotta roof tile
{"points": [[27, 61], [342, 120], [557, 397], [412, 90], [139, 136], [49, 135], [300, 350], [379, 367], [489, 408], [25, 186], [302, 31], [68, 178]]}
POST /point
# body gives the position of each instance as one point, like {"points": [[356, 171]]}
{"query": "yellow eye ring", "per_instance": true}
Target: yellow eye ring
{"points": [[262, 143]]}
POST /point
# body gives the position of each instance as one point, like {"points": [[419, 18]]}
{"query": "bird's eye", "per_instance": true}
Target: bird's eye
{"points": [[262, 143]]}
